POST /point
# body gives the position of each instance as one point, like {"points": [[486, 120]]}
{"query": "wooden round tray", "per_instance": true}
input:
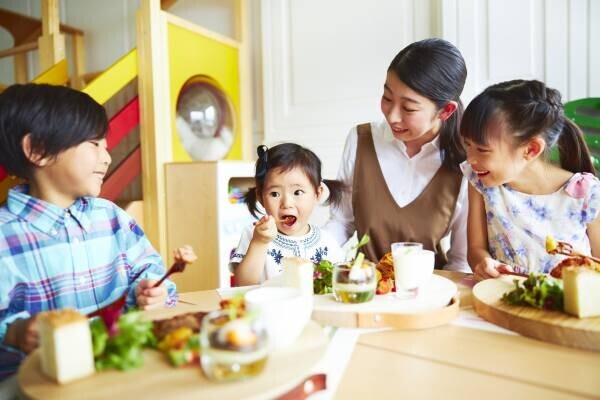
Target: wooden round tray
{"points": [[158, 380], [550, 326], [438, 304]]}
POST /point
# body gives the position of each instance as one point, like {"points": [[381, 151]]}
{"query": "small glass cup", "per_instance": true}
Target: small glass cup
{"points": [[412, 267], [232, 349], [356, 287]]}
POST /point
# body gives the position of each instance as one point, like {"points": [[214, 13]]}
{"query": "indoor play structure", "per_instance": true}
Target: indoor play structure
{"points": [[192, 108]]}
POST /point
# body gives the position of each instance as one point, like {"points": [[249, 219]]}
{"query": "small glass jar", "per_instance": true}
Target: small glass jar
{"points": [[232, 349], [354, 286]]}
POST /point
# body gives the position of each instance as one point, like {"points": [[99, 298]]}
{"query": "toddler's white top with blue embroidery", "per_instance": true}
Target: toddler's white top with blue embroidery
{"points": [[518, 223], [315, 246]]}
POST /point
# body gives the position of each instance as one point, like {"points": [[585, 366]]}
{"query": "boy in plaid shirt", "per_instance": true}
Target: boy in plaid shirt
{"points": [[60, 245]]}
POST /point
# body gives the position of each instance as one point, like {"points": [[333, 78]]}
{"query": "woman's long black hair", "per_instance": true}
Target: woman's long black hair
{"points": [[435, 69]]}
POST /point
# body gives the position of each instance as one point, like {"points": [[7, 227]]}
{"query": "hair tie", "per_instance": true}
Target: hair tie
{"points": [[261, 165]]}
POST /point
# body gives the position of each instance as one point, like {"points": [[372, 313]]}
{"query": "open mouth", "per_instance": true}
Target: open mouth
{"points": [[288, 220], [481, 173], [399, 131]]}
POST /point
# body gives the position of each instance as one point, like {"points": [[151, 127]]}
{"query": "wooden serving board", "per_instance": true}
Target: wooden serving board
{"points": [[437, 304], [158, 380], [550, 326], [375, 319]]}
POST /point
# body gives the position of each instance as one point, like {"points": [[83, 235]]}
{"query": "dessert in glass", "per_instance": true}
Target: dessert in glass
{"points": [[354, 282], [233, 346]]}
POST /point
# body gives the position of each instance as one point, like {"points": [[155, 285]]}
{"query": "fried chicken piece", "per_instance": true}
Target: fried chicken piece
{"points": [[190, 320], [386, 266]]}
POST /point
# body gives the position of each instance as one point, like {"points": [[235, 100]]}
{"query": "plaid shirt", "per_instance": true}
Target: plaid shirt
{"points": [[81, 257]]}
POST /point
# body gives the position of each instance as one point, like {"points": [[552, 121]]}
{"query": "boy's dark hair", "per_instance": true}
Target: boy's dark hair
{"points": [[285, 157], [55, 117], [529, 109], [435, 69]]}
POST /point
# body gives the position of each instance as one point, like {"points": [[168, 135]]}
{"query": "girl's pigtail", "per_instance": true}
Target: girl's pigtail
{"points": [[573, 150], [250, 199], [336, 191]]}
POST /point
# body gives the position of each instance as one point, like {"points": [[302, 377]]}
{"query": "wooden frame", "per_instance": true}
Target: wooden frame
{"points": [[155, 124]]}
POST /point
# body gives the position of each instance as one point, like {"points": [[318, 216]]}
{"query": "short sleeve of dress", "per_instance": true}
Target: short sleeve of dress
{"points": [[238, 253], [592, 200], [471, 177]]}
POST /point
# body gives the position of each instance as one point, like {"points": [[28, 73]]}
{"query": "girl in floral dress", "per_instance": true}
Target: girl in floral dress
{"points": [[516, 195]]}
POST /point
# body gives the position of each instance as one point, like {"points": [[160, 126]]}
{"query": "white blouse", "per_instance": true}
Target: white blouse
{"points": [[315, 246], [417, 172]]}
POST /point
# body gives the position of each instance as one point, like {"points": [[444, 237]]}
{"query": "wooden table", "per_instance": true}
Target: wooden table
{"points": [[455, 362], [155, 379]]}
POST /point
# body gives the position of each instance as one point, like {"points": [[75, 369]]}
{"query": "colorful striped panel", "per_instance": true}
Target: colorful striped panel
{"points": [[123, 122], [122, 176]]}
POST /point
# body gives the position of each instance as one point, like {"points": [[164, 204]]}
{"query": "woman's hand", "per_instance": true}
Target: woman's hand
{"points": [[490, 268], [148, 297], [265, 230]]}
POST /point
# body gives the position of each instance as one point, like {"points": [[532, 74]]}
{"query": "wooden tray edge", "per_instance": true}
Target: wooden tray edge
{"points": [[540, 330], [404, 321]]}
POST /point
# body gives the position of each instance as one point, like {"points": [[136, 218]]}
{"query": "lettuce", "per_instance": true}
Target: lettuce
{"points": [[123, 350], [538, 290]]}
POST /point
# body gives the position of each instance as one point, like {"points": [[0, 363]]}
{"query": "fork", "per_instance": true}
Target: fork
{"points": [[183, 256], [504, 271], [178, 266], [566, 249]]}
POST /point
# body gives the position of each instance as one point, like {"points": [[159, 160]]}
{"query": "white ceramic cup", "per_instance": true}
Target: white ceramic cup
{"points": [[413, 267], [284, 310]]}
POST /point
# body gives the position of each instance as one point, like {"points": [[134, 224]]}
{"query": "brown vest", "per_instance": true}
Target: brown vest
{"points": [[424, 220]]}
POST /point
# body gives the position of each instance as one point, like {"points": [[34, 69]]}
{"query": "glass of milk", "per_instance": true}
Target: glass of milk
{"points": [[413, 267]]}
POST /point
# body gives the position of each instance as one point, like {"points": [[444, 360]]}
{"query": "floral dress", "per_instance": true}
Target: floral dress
{"points": [[518, 223]]}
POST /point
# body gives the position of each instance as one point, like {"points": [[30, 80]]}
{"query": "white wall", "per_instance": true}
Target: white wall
{"points": [[556, 41], [325, 62], [324, 65]]}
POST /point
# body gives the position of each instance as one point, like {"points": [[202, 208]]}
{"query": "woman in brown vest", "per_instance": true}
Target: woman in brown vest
{"points": [[403, 172]]}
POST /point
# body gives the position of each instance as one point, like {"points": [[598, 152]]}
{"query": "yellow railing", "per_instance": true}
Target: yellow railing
{"points": [[56, 75], [114, 78]]}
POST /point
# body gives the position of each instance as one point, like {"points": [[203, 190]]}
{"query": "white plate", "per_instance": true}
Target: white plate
{"points": [[433, 295], [229, 292]]}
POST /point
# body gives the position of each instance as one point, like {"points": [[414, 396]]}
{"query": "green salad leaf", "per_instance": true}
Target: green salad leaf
{"points": [[123, 350], [322, 277], [538, 290]]}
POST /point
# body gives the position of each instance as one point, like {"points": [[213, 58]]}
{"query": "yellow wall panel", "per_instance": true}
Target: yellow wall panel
{"points": [[190, 54]]}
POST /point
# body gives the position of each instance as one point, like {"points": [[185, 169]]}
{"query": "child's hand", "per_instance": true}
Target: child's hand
{"points": [[147, 297], [185, 254], [23, 334], [488, 268], [265, 230]]}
